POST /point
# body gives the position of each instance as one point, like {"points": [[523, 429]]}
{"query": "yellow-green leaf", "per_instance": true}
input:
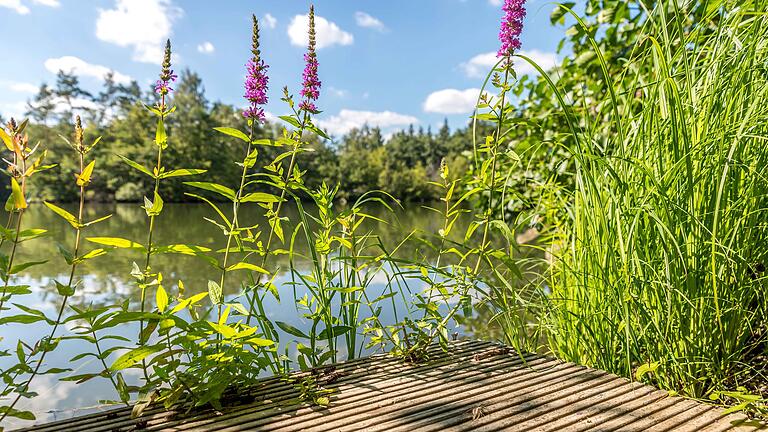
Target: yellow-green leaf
{"points": [[247, 266], [162, 298], [85, 177], [260, 197], [161, 138], [69, 217], [134, 356], [645, 369], [233, 133], [19, 202], [7, 140], [116, 242]]}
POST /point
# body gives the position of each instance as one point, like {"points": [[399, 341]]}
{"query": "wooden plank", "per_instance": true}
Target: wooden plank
{"points": [[475, 386]]}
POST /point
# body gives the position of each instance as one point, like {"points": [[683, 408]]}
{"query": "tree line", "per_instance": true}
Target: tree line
{"points": [[402, 164]]}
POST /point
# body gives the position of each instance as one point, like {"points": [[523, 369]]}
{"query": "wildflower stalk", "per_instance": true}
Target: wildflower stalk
{"points": [[268, 246], [82, 180], [310, 93], [509, 36], [18, 144], [162, 87], [256, 93]]}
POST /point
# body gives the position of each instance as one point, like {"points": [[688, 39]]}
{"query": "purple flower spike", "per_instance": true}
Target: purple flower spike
{"points": [[162, 86], [256, 80], [311, 88], [511, 26]]}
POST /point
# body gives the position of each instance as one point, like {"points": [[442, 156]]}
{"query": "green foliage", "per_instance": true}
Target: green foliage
{"points": [[360, 161], [642, 166], [655, 210]]}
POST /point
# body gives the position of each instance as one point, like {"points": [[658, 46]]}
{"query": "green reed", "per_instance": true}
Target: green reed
{"points": [[657, 251]]}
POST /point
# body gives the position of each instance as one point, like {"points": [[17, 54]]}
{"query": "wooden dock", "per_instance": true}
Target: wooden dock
{"points": [[476, 386]]}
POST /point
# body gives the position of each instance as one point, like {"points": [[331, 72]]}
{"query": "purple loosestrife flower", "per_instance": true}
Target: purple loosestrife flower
{"points": [[311, 88], [511, 26], [162, 86], [256, 80]]}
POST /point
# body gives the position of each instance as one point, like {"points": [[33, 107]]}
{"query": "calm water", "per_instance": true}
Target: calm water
{"points": [[106, 280]]}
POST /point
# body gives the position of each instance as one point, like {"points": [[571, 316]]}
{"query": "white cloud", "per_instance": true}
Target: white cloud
{"points": [[23, 9], [495, 2], [77, 104], [143, 25], [479, 65], [452, 101], [206, 48], [270, 21], [80, 67], [346, 120], [15, 5], [364, 20], [328, 33], [13, 109], [19, 87]]}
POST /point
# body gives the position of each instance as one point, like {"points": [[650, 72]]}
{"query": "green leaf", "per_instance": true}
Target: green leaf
{"points": [[233, 133], [85, 177], [312, 128], [260, 197], [21, 319], [91, 254], [162, 298], [134, 356], [7, 140], [181, 249], [250, 160], [291, 330], [32, 233], [95, 221], [558, 14], [740, 407], [247, 266], [214, 292], [64, 290], [79, 379], [226, 331], [136, 166], [260, 341], [181, 172], [189, 302], [122, 388], [153, 208], [161, 138], [69, 217], [21, 267], [13, 290], [347, 290], [117, 242], [12, 412], [214, 187], [290, 120], [337, 331], [645, 369], [18, 200]]}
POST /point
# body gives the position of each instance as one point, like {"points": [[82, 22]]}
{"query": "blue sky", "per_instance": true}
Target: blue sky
{"points": [[387, 63]]}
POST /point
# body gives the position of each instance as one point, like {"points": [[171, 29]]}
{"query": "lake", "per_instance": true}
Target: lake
{"points": [[106, 280]]}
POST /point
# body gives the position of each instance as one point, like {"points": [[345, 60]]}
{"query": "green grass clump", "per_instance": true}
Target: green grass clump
{"points": [[660, 248]]}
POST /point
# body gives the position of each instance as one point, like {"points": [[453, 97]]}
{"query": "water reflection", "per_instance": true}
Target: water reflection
{"points": [[106, 280]]}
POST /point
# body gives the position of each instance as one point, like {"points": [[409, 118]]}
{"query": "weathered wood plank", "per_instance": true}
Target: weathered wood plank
{"points": [[476, 386]]}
